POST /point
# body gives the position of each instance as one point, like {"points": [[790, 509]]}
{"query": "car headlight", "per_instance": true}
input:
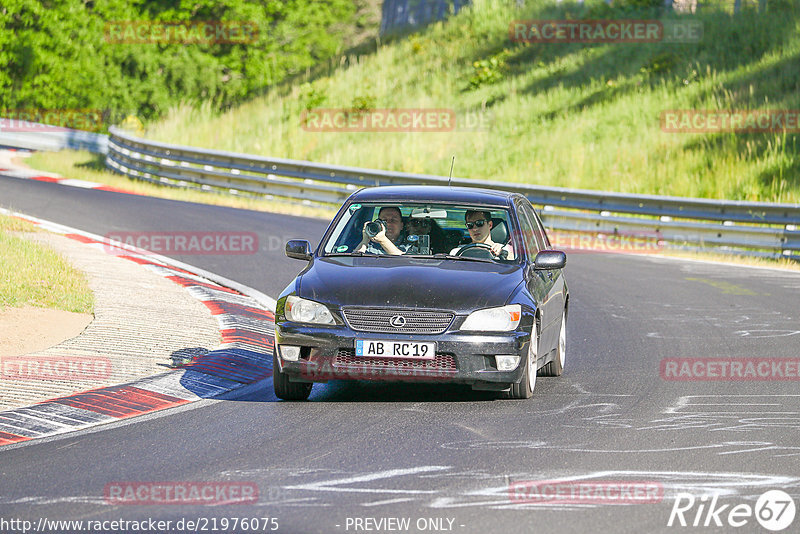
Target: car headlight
{"points": [[500, 319], [307, 311]]}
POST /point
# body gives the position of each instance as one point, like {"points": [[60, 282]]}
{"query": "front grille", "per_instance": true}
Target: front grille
{"points": [[416, 321], [441, 363]]}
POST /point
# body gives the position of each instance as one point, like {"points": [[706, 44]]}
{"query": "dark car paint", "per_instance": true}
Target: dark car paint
{"points": [[549, 295], [433, 195], [548, 286], [469, 350], [404, 282], [461, 286]]}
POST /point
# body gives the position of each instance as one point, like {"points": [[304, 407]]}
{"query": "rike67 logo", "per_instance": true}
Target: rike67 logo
{"points": [[774, 511]]}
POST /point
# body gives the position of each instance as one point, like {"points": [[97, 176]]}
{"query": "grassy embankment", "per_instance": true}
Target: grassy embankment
{"points": [[34, 275], [573, 115]]}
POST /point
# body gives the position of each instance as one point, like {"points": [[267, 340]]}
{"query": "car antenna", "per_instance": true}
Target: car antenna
{"points": [[453, 162]]}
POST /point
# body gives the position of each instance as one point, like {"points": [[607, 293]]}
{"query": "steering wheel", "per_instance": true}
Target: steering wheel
{"points": [[479, 250]]}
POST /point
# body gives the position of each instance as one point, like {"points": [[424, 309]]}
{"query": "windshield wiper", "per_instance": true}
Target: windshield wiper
{"points": [[363, 254], [442, 256]]}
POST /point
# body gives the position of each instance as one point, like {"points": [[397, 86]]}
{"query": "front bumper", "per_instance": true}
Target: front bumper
{"points": [[328, 353]]}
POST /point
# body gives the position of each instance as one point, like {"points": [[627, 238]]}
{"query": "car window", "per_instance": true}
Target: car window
{"points": [[528, 232], [542, 234], [345, 235], [427, 228], [536, 223]]}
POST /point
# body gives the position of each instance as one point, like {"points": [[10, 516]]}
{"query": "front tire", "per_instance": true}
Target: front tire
{"points": [[556, 367], [284, 388], [524, 388]]}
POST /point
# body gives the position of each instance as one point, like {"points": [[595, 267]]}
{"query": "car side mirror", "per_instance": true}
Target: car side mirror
{"points": [[299, 249], [550, 259]]}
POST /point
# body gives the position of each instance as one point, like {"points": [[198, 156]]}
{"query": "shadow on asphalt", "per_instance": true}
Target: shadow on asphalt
{"points": [[365, 391]]}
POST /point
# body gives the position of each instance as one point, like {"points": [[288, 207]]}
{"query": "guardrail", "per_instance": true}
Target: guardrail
{"points": [[56, 139], [751, 228]]}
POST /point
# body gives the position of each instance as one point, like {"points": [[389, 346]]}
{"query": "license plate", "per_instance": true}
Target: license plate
{"points": [[381, 348]]}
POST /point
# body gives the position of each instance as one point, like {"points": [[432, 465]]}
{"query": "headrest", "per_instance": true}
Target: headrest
{"points": [[499, 231]]}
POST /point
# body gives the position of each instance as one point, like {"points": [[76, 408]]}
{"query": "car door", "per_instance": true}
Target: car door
{"points": [[540, 283], [559, 291]]}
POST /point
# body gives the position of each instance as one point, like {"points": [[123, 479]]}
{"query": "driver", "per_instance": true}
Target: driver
{"points": [[388, 241], [479, 224]]}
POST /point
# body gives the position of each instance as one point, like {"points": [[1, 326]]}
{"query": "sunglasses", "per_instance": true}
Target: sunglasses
{"points": [[479, 223]]}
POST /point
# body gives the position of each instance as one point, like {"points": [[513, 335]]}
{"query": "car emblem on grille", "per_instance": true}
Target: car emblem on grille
{"points": [[398, 321]]}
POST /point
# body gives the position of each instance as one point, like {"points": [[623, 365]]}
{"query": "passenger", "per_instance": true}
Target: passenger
{"points": [[388, 241], [429, 227], [479, 224]]}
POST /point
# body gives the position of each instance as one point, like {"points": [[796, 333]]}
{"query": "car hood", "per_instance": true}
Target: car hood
{"points": [[458, 285]]}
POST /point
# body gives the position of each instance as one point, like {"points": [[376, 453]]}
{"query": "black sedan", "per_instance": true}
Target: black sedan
{"points": [[425, 283]]}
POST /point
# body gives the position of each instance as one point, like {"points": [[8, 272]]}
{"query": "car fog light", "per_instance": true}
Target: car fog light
{"points": [[506, 362], [289, 353]]}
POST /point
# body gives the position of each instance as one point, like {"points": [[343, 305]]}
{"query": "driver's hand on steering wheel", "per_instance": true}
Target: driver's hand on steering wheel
{"points": [[496, 249]]}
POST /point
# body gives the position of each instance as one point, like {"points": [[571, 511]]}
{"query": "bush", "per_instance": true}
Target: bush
{"points": [[489, 71], [59, 56], [363, 103], [311, 97]]}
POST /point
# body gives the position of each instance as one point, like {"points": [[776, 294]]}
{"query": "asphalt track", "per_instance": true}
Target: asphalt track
{"points": [[442, 453]]}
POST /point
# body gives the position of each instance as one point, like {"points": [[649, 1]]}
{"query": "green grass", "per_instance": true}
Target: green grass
{"points": [[14, 224], [33, 274], [87, 166], [571, 115]]}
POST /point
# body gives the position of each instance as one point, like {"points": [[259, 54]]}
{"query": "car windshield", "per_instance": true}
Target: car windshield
{"points": [[419, 229]]}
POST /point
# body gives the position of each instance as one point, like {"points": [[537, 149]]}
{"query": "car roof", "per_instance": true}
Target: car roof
{"points": [[434, 193]]}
